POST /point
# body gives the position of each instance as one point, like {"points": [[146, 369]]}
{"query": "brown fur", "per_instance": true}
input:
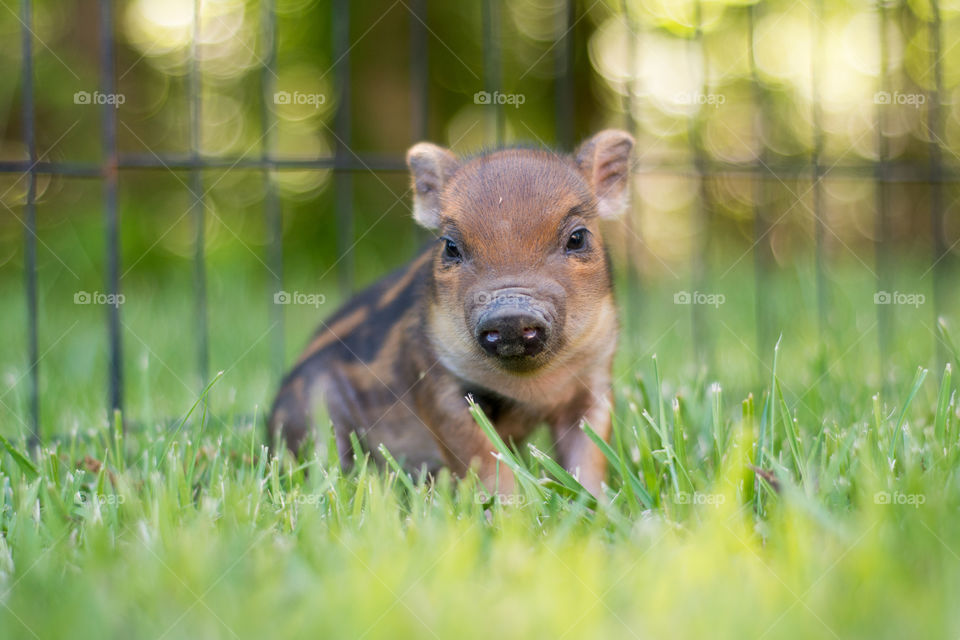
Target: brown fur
{"points": [[395, 364]]}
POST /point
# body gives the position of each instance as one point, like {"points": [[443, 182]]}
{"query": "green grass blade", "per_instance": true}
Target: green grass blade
{"points": [[22, 461], [562, 475], [947, 338], [504, 453], [791, 435], [943, 405], [176, 432], [397, 469], [614, 460], [897, 444]]}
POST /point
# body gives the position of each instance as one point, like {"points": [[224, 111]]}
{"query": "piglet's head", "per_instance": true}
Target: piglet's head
{"points": [[520, 274]]}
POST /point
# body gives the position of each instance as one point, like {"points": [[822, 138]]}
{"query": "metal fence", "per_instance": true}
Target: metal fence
{"points": [[344, 162]]}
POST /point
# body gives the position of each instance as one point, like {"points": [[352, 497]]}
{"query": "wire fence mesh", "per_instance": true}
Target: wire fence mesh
{"points": [[765, 172]]}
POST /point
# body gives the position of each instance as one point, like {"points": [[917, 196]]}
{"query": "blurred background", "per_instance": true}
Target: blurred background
{"points": [[189, 186]]}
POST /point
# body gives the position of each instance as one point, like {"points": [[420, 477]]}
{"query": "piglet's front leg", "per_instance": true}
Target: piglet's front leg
{"points": [[576, 452], [465, 446], [461, 440]]}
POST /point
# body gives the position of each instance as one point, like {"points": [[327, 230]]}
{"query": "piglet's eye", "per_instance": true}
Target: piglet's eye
{"points": [[451, 251], [577, 240]]}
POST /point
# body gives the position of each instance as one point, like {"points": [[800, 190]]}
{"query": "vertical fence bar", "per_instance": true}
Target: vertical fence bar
{"points": [[760, 229], [273, 214], [881, 195], [634, 243], [491, 64], [419, 76], [108, 141], [631, 67], [563, 70], [817, 172], [343, 178], [197, 205], [419, 89], [701, 340], [935, 125], [30, 233]]}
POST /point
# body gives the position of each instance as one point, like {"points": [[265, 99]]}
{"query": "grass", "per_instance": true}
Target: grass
{"points": [[793, 490]]}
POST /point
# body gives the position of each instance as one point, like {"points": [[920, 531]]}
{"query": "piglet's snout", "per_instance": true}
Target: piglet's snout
{"points": [[513, 324]]}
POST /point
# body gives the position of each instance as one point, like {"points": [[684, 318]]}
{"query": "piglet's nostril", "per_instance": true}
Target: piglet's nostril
{"points": [[530, 333], [491, 337]]}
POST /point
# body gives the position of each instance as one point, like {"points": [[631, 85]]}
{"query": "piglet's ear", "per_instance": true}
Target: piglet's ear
{"points": [[604, 161], [430, 168]]}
